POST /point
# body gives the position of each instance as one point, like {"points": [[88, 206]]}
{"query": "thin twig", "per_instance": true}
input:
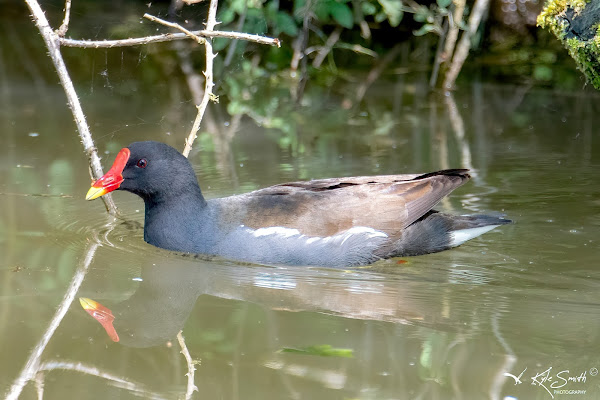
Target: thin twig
{"points": [[301, 41], [32, 366], [458, 126], [464, 45], [300, 51], [376, 72], [52, 43], [191, 386], [94, 371], [194, 79], [365, 32], [189, 2], [39, 385], [167, 37], [197, 38], [233, 44], [324, 50], [62, 31], [510, 359], [438, 56], [208, 83], [297, 55]]}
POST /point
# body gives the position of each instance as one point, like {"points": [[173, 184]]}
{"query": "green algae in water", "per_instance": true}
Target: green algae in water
{"points": [[324, 350]]}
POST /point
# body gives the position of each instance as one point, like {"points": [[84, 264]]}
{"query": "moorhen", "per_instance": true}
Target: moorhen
{"points": [[335, 222]]}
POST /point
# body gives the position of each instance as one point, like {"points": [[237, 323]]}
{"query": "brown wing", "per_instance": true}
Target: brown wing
{"points": [[325, 207]]}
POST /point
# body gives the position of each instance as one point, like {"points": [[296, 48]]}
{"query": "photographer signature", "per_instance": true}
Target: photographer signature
{"points": [[557, 381]]}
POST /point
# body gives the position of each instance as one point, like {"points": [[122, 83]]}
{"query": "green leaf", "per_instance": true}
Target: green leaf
{"points": [[220, 43], [393, 11], [380, 17], [321, 10], [444, 3], [425, 29], [271, 10], [324, 350], [299, 6], [542, 72], [342, 14], [286, 24], [368, 8], [256, 21], [238, 6], [421, 14], [226, 16]]}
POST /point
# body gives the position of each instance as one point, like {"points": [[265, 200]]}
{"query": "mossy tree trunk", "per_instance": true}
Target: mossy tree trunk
{"points": [[577, 24]]}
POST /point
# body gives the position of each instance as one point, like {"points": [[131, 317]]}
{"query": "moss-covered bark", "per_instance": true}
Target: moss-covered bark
{"points": [[577, 24]]}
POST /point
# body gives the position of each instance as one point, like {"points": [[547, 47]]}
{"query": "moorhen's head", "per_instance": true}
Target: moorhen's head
{"points": [[148, 169]]}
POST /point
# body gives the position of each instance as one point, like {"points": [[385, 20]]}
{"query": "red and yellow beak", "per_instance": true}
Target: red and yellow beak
{"points": [[112, 179], [102, 315]]}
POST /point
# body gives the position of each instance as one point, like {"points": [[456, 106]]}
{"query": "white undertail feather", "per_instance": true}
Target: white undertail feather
{"points": [[462, 235]]}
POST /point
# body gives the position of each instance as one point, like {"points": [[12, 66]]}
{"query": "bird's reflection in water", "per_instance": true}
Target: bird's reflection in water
{"points": [[169, 290], [157, 310]]}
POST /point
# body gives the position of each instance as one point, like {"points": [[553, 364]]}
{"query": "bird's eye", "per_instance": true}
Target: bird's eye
{"points": [[142, 163]]}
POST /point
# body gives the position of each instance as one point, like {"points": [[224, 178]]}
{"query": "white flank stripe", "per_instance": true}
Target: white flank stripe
{"points": [[459, 237], [370, 233], [276, 230], [362, 229]]}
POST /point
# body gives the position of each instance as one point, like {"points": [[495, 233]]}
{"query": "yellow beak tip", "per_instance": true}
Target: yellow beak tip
{"points": [[87, 304], [94, 193]]}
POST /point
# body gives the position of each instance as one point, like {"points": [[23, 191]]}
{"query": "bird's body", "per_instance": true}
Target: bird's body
{"points": [[327, 222]]}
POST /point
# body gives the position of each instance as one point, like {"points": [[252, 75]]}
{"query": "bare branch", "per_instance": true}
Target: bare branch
{"points": [[438, 59], [94, 371], [167, 37], [208, 83], [190, 2], [52, 43], [374, 73], [32, 366], [191, 386], [62, 31], [39, 385], [326, 49], [176, 26], [458, 126], [464, 45]]}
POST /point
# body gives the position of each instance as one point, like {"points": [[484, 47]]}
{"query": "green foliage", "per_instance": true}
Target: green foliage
{"points": [[392, 10], [542, 72], [277, 18], [287, 20], [333, 10]]}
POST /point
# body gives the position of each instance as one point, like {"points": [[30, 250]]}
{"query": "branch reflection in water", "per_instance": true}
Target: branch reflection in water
{"points": [[32, 366]]}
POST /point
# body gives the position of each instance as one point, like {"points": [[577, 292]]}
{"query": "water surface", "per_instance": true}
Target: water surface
{"points": [[441, 326]]}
